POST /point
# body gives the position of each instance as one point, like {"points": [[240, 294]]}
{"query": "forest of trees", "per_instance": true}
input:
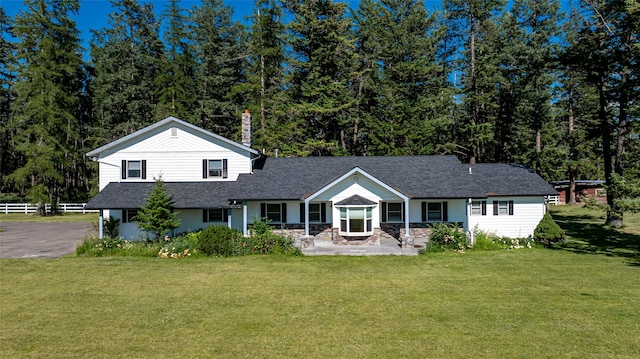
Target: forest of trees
{"points": [[519, 81]]}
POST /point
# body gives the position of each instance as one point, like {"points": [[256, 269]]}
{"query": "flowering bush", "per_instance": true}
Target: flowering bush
{"points": [[96, 247], [489, 241], [184, 245], [445, 237]]}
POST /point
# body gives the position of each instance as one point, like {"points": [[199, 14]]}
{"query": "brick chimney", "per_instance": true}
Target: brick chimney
{"points": [[247, 135]]}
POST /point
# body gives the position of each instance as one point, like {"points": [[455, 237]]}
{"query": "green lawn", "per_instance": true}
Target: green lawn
{"points": [[526, 303]]}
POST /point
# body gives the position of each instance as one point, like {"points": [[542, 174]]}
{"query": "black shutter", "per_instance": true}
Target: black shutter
{"points": [[263, 210], [302, 212], [445, 212], [205, 215], [124, 170], [511, 208], [124, 216], [484, 208], [283, 215], [225, 215], [323, 212], [144, 169], [384, 212], [224, 168], [424, 211], [402, 211], [204, 168], [495, 208]]}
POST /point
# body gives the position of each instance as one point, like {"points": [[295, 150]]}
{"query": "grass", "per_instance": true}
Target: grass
{"points": [[526, 303], [67, 217], [587, 233]]}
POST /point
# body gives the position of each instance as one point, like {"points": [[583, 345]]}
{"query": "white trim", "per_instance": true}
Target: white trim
{"points": [[362, 172]]}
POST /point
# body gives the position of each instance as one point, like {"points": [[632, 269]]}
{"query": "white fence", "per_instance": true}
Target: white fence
{"points": [[555, 200], [27, 208]]}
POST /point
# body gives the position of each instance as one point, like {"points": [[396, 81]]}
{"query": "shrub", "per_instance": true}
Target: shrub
{"points": [[96, 247], [111, 227], [184, 245], [548, 232], [444, 237], [218, 240], [263, 240], [486, 242]]}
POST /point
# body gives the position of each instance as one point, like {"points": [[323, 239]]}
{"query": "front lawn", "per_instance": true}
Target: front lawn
{"points": [[527, 303]]}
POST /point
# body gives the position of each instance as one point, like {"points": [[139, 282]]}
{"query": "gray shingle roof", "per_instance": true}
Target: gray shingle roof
{"points": [[355, 200], [185, 195], [434, 177], [510, 180], [414, 176]]}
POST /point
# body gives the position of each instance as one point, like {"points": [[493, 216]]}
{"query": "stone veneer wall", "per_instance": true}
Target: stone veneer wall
{"points": [[418, 234]]}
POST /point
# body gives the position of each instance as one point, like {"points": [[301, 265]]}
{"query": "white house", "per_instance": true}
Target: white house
{"points": [[213, 180]]}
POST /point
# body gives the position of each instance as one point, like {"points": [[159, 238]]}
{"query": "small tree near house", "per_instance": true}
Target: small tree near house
{"points": [[157, 216]]}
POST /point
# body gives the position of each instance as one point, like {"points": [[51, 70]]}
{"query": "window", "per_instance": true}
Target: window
{"points": [[435, 212], [214, 168], [392, 212], [501, 208], [215, 215], [128, 215], [134, 169], [356, 221], [479, 208], [317, 212], [274, 212]]}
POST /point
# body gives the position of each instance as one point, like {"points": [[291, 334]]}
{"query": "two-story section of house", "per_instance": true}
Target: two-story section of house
{"points": [[198, 166], [354, 199]]}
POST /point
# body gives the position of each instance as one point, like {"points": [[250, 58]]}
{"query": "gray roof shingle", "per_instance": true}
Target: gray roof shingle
{"points": [[185, 195], [433, 177], [502, 179]]}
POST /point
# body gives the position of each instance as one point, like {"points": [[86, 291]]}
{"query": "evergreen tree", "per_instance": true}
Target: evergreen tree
{"points": [[157, 216], [8, 161], [127, 58], [265, 73], [46, 110], [321, 110], [176, 81], [220, 56], [406, 100], [471, 25]]}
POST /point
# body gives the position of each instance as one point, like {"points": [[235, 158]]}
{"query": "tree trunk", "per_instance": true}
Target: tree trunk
{"points": [[571, 192]]}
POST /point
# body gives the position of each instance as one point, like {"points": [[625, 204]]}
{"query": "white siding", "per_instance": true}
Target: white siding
{"points": [[527, 213], [175, 158]]}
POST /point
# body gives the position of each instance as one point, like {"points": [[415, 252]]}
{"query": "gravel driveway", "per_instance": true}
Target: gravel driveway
{"points": [[41, 240]]}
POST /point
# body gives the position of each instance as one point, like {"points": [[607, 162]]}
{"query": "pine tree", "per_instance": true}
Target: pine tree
{"points": [[46, 110], [8, 161], [264, 71], [176, 81], [157, 216], [406, 100], [126, 57], [221, 56], [472, 26], [321, 69]]}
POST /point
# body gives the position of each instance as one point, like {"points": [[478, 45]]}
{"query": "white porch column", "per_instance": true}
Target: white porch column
{"points": [[245, 219], [101, 224], [229, 218], [306, 218], [406, 217]]}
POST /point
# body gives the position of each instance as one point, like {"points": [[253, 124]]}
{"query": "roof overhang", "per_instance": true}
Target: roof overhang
{"points": [[360, 171]]}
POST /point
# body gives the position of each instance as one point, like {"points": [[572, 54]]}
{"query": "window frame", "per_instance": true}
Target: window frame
{"points": [[208, 214], [125, 170], [265, 211], [315, 209], [128, 215], [207, 168], [503, 208], [443, 212], [480, 207], [346, 221]]}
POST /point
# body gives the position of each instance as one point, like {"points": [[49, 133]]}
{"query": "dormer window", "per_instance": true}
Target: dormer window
{"points": [[214, 168]]}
